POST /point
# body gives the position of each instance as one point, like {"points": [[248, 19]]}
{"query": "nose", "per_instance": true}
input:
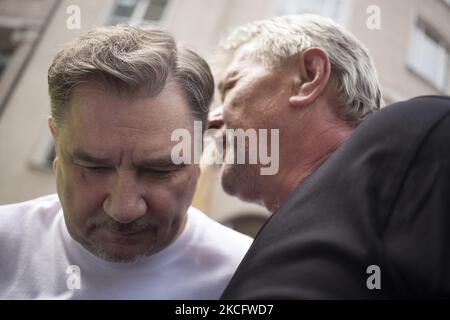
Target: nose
{"points": [[215, 118], [125, 202]]}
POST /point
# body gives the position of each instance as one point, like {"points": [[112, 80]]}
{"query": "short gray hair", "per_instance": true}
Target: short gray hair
{"points": [[277, 40], [132, 60]]}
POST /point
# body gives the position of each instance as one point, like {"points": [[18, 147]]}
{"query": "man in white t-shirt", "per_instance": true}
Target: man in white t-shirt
{"points": [[121, 226]]}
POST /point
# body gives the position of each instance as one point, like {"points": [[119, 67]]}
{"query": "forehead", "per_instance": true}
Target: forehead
{"points": [[243, 60], [238, 59], [94, 104], [98, 118]]}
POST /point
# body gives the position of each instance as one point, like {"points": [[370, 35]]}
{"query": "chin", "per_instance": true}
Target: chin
{"points": [[120, 253], [238, 182], [228, 179], [121, 256]]}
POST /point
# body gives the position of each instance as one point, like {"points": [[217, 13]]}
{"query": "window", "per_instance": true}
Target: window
{"points": [[5, 56], [329, 8], [135, 12], [429, 57], [6, 48]]}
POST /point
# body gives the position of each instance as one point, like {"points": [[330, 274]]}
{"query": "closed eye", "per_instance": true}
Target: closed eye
{"points": [[93, 167], [227, 86], [96, 169], [160, 172]]}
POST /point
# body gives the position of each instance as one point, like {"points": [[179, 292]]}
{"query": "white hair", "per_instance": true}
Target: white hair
{"points": [[277, 40]]}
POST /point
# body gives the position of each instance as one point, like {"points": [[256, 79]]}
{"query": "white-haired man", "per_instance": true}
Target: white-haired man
{"points": [[121, 226], [359, 202]]}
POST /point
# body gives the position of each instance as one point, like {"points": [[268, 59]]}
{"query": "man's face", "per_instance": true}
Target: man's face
{"points": [[121, 194], [253, 97]]}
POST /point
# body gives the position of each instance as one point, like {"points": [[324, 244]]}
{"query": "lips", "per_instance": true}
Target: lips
{"points": [[123, 234]]}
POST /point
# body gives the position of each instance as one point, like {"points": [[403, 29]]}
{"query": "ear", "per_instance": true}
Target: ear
{"points": [[314, 70], [51, 126], [55, 163]]}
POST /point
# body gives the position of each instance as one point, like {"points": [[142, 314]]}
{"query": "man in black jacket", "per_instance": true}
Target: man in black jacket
{"points": [[360, 202]]}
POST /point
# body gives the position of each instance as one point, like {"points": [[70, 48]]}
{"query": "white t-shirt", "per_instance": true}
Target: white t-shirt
{"points": [[40, 260]]}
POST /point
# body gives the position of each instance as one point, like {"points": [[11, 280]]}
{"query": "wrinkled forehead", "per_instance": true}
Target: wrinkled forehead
{"points": [[112, 127], [95, 106], [98, 86], [106, 85], [235, 60], [249, 55], [246, 51]]}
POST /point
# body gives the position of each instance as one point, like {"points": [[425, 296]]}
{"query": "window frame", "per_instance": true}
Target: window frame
{"points": [[328, 7], [442, 85], [138, 14]]}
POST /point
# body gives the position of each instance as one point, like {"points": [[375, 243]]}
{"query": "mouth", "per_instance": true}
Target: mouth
{"points": [[124, 233]]}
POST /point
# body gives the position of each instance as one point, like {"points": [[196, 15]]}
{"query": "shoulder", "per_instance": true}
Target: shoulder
{"points": [[411, 119], [379, 155], [32, 213], [42, 204], [216, 238]]}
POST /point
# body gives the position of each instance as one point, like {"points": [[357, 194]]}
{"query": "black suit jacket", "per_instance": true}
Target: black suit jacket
{"points": [[383, 198]]}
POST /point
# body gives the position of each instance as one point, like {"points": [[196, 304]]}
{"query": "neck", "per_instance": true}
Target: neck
{"points": [[303, 158]]}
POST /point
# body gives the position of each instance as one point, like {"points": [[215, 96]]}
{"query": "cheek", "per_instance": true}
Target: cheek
{"points": [[232, 117], [241, 108], [80, 199], [175, 196]]}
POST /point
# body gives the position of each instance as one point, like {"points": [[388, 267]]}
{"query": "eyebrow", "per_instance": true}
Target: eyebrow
{"points": [[229, 77], [86, 157], [157, 163], [149, 163]]}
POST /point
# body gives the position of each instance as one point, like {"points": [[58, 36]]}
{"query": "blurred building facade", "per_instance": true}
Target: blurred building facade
{"points": [[408, 39]]}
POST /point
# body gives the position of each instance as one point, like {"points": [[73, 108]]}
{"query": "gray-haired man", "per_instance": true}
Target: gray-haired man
{"points": [[360, 202]]}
